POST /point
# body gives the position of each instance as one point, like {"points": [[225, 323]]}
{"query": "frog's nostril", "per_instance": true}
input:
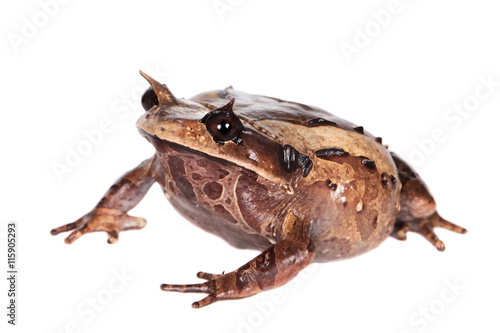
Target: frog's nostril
{"points": [[149, 99]]}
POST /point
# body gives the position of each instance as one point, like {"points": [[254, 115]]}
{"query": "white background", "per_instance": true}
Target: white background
{"points": [[80, 66]]}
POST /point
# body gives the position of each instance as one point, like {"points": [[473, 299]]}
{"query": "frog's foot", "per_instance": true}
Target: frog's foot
{"points": [[111, 221], [218, 286], [272, 268], [425, 227]]}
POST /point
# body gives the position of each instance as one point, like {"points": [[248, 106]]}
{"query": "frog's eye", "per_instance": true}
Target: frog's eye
{"points": [[223, 125], [149, 99]]}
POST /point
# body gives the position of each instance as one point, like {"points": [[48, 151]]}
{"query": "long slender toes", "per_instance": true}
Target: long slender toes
{"points": [[187, 288], [73, 236], [438, 221], [204, 302], [66, 227], [77, 234], [425, 229]]}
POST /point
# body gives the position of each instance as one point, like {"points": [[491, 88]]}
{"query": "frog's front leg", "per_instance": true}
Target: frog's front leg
{"points": [[272, 268], [110, 214]]}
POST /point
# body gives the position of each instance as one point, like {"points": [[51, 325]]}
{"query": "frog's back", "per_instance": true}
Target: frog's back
{"points": [[308, 129]]}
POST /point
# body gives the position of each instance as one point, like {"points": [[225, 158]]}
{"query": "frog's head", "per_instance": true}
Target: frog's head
{"points": [[192, 124], [216, 132]]}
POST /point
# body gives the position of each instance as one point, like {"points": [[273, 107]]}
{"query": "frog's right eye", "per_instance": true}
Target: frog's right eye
{"points": [[149, 99]]}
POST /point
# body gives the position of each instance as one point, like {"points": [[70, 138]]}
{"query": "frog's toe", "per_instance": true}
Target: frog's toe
{"points": [[113, 236], [438, 221], [208, 276], [425, 227], [189, 288], [132, 223], [67, 227], [215, 287], [206, 301], [420, 226], [76, 234]]}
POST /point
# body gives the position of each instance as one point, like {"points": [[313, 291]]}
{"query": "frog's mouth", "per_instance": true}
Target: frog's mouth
{"points": [[165, 146], [275, 173]]}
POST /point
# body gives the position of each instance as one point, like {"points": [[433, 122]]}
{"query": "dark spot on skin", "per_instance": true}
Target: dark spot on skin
{"points": [[344, 204], [146, 116], [176, 163], [378, 139], [321, 122], [196, 176], [213, 190], [370, 164], [290, 159], [329, 153], [375, 222], [359, 129], [162, 129], [331, 185], [228, 201], [386, 178], [338, 155], [162, 114]]}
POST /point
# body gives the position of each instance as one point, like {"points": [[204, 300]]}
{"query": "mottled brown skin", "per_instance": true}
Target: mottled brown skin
{"points": [[290, 180]]}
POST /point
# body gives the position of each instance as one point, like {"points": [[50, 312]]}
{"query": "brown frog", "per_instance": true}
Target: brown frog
{"points": [[287, 179]]}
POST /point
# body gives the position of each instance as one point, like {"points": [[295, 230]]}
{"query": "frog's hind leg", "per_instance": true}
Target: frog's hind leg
{"points": [[272, 268], [418, 208]]}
